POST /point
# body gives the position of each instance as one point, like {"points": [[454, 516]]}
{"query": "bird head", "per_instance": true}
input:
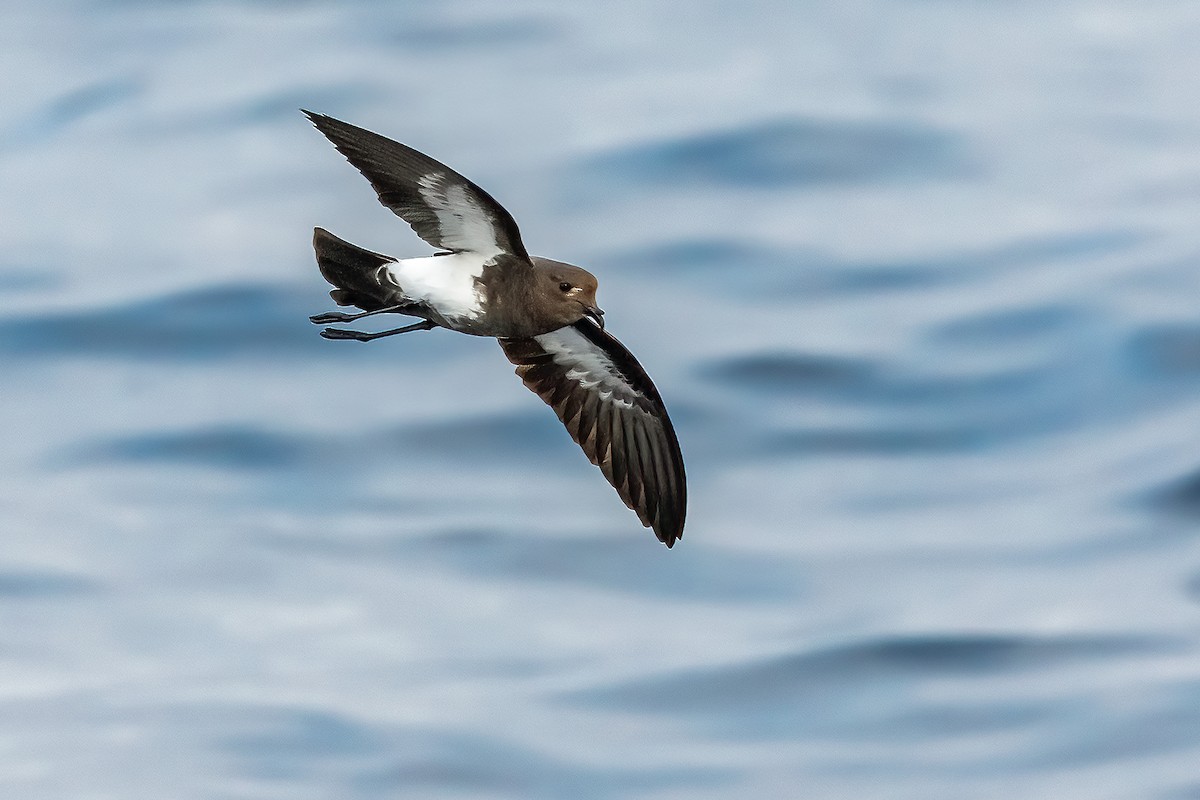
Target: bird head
{"points": [[567, 292]]}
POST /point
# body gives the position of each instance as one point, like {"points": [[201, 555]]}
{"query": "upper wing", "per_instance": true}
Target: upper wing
{"points": [[612, 410], [443, 207]]}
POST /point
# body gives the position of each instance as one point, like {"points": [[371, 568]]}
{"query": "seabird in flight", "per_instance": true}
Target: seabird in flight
{"points": [[543, 312]]}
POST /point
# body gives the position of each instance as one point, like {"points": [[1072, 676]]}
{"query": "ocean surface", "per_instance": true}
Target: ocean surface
{"points": [[919, 282]]}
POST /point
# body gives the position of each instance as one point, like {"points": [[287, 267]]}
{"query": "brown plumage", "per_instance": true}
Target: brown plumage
{"points": [[542, 311], [614, 413]]}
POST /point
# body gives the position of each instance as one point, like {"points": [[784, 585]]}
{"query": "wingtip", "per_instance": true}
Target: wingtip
{"points": [[318, 120], [668, 537]]}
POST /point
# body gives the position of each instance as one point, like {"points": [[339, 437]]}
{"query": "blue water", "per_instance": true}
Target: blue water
{"points": [[920, 283]]}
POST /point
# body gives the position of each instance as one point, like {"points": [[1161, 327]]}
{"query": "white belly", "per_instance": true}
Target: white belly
{"points": [[445, 283]]}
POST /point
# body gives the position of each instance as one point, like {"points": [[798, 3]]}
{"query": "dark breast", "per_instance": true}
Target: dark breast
{"points": [[512, 307]]}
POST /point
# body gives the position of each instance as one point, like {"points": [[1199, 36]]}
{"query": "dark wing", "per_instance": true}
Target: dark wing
{"points": [[443, 207], [612, 410]]}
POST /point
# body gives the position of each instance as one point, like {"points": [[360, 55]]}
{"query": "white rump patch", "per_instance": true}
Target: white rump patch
{"points": [[464, 223], [446, 283], [587, 364]]}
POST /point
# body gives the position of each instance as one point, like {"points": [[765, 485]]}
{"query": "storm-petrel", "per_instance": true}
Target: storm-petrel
{"points": [[543, 312]]}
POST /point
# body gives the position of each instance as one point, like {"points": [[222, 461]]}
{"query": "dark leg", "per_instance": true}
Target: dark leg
{"points": [[358, 336], [339, 316]]}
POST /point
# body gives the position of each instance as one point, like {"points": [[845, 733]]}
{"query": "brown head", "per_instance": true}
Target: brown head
{"points": [[567, 293]]}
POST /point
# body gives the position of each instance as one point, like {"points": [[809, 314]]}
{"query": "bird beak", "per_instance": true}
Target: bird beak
{"points": [[595, 314]]}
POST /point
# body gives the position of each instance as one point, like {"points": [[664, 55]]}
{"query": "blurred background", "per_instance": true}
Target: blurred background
{"points": [[918, 282]]}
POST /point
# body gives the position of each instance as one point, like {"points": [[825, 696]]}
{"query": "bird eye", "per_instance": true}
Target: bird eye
{"points": [[566, 287]]}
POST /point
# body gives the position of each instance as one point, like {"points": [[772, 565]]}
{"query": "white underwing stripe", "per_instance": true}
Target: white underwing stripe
{"points": [[464, 224], [587, 364], [613, 412]]}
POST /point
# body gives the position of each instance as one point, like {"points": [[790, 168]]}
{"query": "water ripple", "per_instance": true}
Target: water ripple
{"points": [[1181, 496], [34, 585], [612, 560], [492, 34], [615, 561], [201, 324], [224, 447], [491, 439], [281, 745], [68, 108], [792, 152], [475, 764], [786, 695], [896, 410], [792, 372], [1165, 351]]}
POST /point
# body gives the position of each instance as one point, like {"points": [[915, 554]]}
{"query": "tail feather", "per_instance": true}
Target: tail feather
{"points": [[354, 271]]}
